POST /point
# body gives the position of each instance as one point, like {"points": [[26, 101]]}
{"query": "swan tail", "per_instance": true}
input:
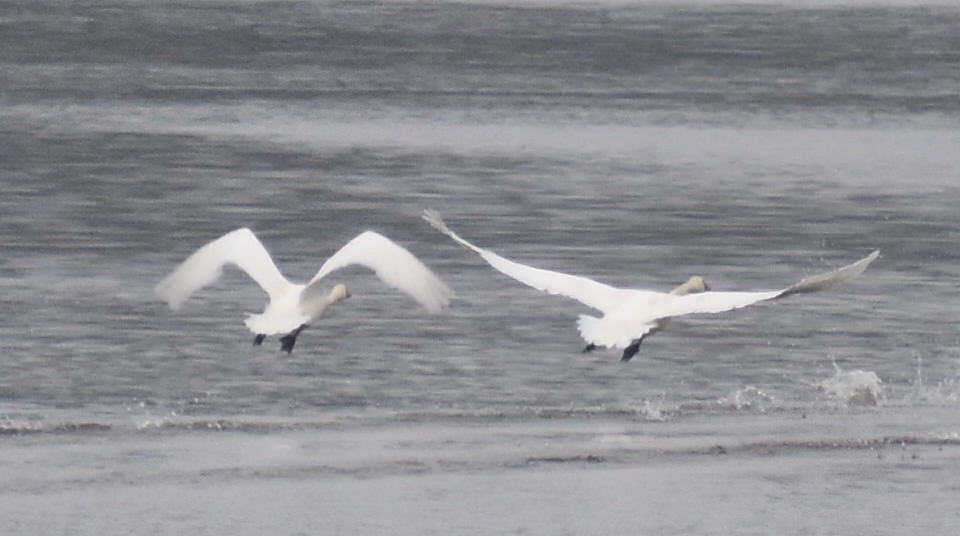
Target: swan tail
{"points": [[272, 325], [591, 329], [609, 334]]}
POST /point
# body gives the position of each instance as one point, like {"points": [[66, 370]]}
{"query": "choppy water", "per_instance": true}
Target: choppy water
{"points": [[635, 143]]}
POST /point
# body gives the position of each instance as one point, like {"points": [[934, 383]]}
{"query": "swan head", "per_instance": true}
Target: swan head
{"points": [[693, 285], [314, 304], [337, 294]]}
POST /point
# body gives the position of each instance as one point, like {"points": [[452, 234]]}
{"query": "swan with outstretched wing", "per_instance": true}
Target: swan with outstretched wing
{"points": [[630, 315]]}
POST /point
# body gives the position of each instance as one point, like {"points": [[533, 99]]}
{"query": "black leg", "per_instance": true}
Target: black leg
{"points": [[589, 348], [258, 340], [631, 350], [288, 340]]}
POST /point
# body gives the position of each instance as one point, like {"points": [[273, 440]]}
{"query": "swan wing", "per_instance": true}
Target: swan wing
{"points": [[591, 293], [829, 279], [241, 248], [393, 264], [718, 302]]}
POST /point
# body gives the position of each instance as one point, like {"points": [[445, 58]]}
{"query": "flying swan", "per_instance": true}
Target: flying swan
{"points": [[292, 307], [630, 315]]}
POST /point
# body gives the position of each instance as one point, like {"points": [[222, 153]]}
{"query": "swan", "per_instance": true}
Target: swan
{"points": [[630, 315], [292, 306]]}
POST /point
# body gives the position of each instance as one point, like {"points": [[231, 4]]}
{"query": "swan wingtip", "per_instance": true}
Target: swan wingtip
{"points": [[174, 302], [434, 218]]}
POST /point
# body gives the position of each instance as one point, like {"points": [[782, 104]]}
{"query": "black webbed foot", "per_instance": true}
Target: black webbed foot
{"points": [[290, 339], [287, 342], [589, 348], [631, 350], [258, 340]]}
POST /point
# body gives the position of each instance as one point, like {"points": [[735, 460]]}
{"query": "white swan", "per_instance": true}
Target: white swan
{"points": [[629, 315], [292, 307]]}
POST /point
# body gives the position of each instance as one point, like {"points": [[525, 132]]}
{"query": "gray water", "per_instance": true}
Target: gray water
{"points": [[636, 143]]}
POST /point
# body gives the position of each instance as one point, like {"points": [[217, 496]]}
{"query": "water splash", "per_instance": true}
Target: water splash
{"points": [[653, 410], [856, 387], [943, 391], [748, 397]]}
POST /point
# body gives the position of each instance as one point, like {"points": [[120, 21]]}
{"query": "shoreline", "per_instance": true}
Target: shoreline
{"points": [[895, 491]]}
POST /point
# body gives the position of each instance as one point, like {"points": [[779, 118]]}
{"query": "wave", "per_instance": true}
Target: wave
{"points": [[24, 427], [835, 444], [359, 418], [845, 391], [391, 443]]}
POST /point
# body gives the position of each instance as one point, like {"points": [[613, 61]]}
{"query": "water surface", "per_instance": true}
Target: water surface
{"points": [[634, 143]]}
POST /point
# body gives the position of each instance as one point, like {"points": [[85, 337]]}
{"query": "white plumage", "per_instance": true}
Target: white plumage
{"points": [[293, 306], [628, 314]]}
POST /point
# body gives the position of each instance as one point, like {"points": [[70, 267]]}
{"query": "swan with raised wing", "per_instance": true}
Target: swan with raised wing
{"points": [[292, 306]]}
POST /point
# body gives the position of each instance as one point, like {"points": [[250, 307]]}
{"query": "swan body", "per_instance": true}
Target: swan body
{"points": [[629, 315], [293, 306]]}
